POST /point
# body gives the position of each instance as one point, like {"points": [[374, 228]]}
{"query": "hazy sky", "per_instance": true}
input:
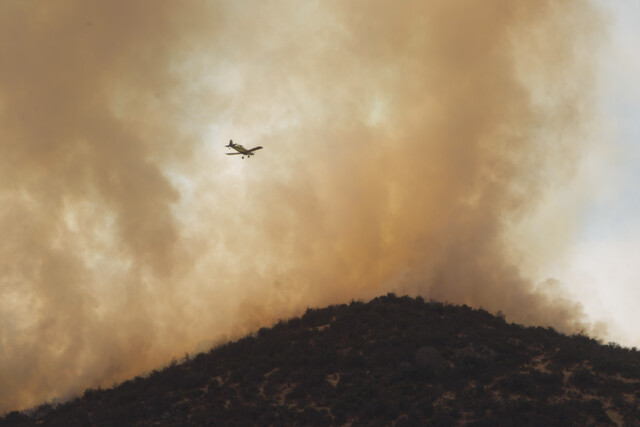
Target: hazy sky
{"points": [[482, 153], [603, 269]]}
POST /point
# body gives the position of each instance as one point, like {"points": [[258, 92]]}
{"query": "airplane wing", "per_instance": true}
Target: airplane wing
{"points": [[233, 154], [255, 149]]}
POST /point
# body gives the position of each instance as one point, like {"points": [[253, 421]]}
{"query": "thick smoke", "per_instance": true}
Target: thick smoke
{"points": [[403, 144]]}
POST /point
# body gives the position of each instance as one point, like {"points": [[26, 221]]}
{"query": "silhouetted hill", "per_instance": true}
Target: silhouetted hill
{"points": [[392, 361]]}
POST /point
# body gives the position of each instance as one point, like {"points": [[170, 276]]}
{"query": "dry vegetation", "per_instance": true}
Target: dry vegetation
{"points": [[392, 361]]}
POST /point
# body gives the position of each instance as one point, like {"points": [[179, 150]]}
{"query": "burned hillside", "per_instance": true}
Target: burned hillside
{"points": [[391, 361]]}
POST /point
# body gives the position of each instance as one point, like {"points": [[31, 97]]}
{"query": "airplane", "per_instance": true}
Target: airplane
{"points": [[241, 150]]}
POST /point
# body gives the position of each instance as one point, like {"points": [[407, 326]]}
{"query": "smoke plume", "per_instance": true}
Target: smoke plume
{"points": [[404, 142]]}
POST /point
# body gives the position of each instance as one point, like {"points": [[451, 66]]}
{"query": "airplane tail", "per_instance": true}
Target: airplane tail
{"points": [[230, 143]]}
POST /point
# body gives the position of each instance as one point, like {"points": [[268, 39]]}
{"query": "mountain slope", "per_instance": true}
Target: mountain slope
{"points": [[392, 361]]}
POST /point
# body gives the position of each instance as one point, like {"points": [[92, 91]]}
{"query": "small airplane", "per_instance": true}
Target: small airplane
{"points": [[241, 150]]}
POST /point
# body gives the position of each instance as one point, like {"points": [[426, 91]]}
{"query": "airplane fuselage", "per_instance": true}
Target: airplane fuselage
{"points": [[239, 148]]}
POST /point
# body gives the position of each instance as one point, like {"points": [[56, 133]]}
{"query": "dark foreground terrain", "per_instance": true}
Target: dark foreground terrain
{"points": [[392, 361]]}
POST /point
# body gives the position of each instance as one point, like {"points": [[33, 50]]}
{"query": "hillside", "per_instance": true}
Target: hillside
{"points": [[391, 361]]}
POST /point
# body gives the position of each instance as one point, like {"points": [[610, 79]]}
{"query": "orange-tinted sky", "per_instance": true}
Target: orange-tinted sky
{"points": [[413, 147]]}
